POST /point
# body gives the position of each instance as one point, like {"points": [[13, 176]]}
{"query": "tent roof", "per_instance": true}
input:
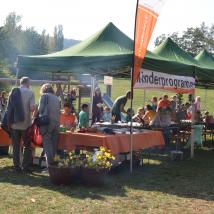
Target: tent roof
{"points": [[205, 59], [171, 51], [103, 52], [108, 41]]}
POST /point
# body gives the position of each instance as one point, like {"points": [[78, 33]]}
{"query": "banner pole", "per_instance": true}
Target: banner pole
{"points": [[132, 92]]}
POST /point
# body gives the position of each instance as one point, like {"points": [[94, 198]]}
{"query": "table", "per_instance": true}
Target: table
{"points": [[4, 138], [119, 143]]}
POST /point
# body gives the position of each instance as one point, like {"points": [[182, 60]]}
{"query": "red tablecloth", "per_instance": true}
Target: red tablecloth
{"points": [[4, 138], [119, 143]]}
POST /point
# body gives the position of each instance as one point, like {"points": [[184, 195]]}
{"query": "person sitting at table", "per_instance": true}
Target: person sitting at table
{"points": [[149, 115], [67, 117], [107, 115], [118, 106], [164, 103], [208, 119], [83, 117], [154, 103], [139, 116], [130, 113], [189, 111]]}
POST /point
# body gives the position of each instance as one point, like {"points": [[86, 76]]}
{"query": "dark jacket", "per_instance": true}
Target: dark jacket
{"points": [[15, 110]]}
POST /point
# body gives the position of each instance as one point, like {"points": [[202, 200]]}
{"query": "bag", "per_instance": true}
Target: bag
{"points": [[34, 135], [5, 126], [43, 120]]}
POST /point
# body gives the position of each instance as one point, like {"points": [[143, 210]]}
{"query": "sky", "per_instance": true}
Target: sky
{"points": [[82, 18]]}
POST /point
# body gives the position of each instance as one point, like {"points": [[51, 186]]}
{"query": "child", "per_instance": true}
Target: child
{"points": [[130, 114], [67, 118], [107, 115], [83, 117]]}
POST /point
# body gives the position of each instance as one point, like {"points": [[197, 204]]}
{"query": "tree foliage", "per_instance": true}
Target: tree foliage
{"points": [[14, 40], [193, 39], [58, 37]]}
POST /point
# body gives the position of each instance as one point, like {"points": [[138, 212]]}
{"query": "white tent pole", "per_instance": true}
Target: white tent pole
{"points": [[93, 79], [17, 76], [192, 126], [205, 100], [144, 97]]}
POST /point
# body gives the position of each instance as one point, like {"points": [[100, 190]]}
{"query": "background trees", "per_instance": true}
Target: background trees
{"points": [[15, 40], [192, 40]]}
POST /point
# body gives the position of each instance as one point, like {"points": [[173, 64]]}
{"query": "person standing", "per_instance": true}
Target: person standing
{"points": [[50, 105], [118, 106], [83, 117], [20, 106], [3, 104], [97, 106]]}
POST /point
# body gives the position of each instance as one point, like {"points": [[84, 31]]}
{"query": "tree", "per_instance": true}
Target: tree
{"points": [[192, 40], [58, 37]]}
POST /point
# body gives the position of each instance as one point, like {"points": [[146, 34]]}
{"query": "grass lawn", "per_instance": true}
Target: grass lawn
{"points": [[163, 186]]}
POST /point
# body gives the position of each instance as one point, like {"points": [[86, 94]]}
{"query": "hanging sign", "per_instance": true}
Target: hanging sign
{"points": [[108, 80], [157, 80]]}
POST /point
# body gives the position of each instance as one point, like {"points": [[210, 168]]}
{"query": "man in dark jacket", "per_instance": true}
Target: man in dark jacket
{"points": [[21, 105]]}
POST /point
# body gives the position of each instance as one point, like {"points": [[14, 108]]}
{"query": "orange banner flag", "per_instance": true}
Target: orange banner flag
{"points": [[146, 17]]}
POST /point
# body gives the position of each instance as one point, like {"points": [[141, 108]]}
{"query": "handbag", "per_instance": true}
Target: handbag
{"points": [[43, 120], [34, 135], [5, 126]]}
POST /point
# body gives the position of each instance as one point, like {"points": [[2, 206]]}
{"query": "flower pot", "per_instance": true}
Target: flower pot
{"points": [[93, 177], [63, 175]]}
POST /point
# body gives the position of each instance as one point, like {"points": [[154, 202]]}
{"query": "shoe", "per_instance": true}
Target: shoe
{"points": [[45, 171], [17, 169]]}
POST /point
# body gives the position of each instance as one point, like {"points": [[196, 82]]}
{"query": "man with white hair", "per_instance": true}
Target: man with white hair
{"points": [[22, 105]]}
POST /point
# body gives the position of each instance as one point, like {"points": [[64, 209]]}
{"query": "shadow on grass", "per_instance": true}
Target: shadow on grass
{"points": [[187, 178]]}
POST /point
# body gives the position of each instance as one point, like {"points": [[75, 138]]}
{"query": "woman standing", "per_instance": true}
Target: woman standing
{"points": [[97, 107], [49, 105]]}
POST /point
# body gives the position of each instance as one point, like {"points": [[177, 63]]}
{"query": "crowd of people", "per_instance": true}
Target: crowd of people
{"points": [[20, 108]]}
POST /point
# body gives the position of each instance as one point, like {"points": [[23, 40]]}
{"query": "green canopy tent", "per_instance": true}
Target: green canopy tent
{"points": [[173, 53], [201, 69], [206, 62], [104, 52], [107, 52], [205, 59]]}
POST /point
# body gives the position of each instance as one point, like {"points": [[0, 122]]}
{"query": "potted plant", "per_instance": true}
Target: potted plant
{"points": [[66, 170], [96, 165]]}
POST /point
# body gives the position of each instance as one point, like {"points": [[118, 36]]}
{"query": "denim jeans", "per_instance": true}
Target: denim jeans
{"points": [[50, 135]]}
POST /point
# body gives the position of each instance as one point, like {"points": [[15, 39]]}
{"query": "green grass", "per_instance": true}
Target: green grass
{"points": [[163, 186]]}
